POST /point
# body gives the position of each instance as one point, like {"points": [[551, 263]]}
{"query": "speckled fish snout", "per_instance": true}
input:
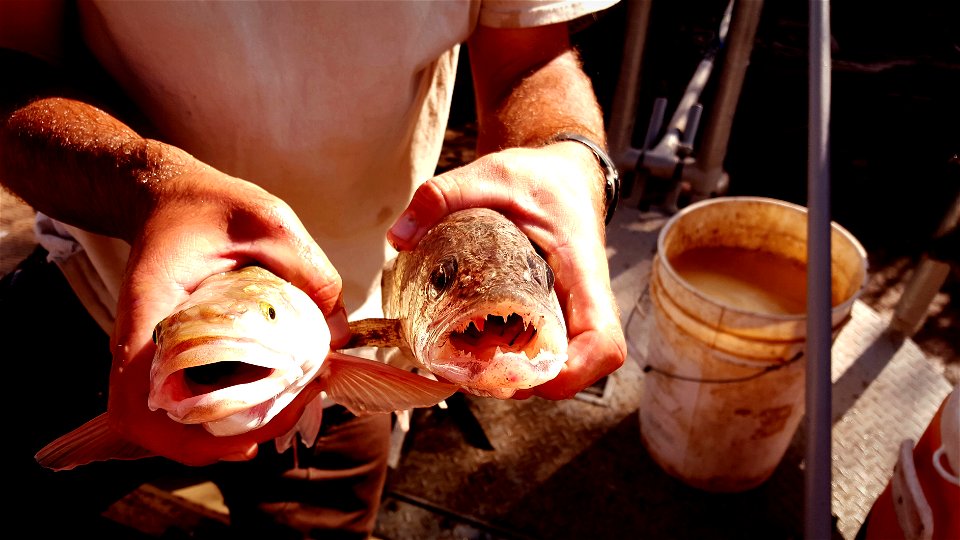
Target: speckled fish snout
{"points": [[495, 348]]}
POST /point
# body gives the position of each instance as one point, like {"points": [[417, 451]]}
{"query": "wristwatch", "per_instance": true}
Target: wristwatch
{"points": [[610, 173]]}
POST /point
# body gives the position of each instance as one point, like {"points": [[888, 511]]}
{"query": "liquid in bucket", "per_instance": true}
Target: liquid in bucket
{"points": [[748, 279]]}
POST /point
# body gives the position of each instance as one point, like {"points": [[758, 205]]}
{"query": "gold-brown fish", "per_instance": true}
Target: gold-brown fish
{"points": [[474, 302]]}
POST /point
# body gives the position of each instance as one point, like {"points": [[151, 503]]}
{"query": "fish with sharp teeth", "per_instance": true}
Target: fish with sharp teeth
{"points": [[473, 304]]}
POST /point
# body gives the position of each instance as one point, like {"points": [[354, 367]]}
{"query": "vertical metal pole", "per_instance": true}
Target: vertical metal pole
{"points": [[819, 339], [624, 111], [716, 134]]}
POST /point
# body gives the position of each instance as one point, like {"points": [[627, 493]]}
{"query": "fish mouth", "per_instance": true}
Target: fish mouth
{"points": [[495, 350], [218, 379]]}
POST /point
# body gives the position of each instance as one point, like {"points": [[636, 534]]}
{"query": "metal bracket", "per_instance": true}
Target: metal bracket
{"points": [[673, 158]]}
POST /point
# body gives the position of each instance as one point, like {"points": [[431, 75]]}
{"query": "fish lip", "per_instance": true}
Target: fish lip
{"points": [[218, 404], [210, 350], [506, 371], [504, 374], [225, 402]]}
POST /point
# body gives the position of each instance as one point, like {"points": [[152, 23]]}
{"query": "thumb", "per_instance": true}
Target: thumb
{"points": [[458, 189]]}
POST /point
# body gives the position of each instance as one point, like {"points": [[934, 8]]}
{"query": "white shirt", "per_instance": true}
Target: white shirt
{"points": [[338, 108]]}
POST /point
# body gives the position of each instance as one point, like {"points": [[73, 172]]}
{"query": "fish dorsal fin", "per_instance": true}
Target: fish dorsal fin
{"points": [[366, 386], [93, 441]]}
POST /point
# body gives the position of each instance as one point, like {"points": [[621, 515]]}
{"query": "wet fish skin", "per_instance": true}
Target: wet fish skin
{"points": [[241, 347], [476, 305]]}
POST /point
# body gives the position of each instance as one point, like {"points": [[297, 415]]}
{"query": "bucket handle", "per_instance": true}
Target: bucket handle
{"points": [[649, 367]]}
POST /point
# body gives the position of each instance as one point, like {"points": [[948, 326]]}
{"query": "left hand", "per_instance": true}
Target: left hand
{"points": [[553, 194]]}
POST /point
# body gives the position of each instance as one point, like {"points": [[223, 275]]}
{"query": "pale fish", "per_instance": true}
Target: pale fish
{"points": [[233, 355]]}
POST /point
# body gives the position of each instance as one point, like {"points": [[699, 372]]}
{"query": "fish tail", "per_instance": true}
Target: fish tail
{"points": [[93, 441]]}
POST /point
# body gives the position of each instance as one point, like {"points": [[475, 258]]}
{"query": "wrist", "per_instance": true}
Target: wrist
{"points": [[156, 168], [609, 173]]}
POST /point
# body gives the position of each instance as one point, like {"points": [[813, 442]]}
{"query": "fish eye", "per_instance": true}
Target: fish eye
{"points": [[156, 334], [541, 271], [268, 311], [443, 276]]}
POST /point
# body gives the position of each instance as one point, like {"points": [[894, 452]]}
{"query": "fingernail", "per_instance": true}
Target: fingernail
{"points": [[405, 227], [339, 328]]}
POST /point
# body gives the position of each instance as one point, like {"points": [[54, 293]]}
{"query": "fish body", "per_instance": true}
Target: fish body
{"points": [[476, 305], [237, 351]]}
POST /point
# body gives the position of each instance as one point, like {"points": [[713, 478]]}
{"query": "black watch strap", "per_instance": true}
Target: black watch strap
{"points": [[610, 173]]}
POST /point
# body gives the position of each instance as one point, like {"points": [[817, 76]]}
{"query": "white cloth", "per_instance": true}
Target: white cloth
{"points": [[338, 108]]}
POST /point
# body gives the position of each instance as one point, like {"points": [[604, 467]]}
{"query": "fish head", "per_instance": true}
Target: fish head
{"points": [[479, 307], [236, 352]]}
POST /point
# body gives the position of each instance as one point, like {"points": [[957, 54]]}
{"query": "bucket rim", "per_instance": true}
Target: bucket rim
{"points": [[693, 207]]}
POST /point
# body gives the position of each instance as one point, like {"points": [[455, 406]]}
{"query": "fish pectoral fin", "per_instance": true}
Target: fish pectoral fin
{"points": [[308, 427], [93, 441], [366, 386]]}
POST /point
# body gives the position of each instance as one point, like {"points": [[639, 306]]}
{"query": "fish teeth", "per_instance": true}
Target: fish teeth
{"points": [[473, 331]]}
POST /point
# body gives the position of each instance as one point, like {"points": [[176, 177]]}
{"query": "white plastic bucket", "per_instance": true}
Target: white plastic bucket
{"points": [[724, 388]]}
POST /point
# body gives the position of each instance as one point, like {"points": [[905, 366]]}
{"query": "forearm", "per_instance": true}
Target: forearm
{"points": [[529, 88], [526, 102], [80, 165]]}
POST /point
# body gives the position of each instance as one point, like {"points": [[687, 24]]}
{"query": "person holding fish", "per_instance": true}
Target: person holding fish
{"points": [[221, 187]]}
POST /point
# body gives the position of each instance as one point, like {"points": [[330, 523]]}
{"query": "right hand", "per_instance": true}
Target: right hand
{"points": [[552, 193], [203, 222]]}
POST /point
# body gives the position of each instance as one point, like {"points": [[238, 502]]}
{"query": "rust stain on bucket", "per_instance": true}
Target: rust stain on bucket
{"points": [[772, 421]]}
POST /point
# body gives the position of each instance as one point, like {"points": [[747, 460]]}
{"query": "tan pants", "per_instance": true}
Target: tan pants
{"points": [[333, 493]]}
